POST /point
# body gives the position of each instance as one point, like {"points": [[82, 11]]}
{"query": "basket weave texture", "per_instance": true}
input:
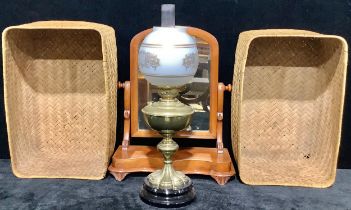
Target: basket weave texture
{"points": [[287, 104], [60, 98]]}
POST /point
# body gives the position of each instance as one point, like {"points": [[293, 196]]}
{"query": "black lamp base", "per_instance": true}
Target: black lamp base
{"points": [[167, 198]]}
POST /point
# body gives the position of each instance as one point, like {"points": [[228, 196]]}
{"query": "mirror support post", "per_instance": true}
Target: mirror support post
{"points": [[126, 113]]}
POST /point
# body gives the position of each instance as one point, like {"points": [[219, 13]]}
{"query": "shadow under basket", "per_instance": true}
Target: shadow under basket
{"points": [[60, 98], [287, 105]]}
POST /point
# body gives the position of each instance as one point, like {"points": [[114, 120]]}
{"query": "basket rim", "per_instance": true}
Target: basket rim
{"points": [[62, 24]]}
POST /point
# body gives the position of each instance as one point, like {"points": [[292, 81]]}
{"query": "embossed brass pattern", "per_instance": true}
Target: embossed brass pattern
{"points": [[168, 178]]}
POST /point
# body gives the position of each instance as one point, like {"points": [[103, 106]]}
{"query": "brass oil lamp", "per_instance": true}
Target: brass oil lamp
{"points": [[168, 58]]}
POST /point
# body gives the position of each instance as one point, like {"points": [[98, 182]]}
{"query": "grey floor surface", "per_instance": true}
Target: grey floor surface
{"points": [[18, 193]]}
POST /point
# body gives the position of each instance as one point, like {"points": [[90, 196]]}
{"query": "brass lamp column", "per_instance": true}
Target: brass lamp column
{"points": [[168, 58]]}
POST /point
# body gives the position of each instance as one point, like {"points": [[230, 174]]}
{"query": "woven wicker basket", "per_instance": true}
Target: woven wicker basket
{"points": [[60, 98], [287, 107]]}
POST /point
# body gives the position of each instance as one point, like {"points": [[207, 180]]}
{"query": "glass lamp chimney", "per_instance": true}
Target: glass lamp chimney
{"points": [[167, 15]]}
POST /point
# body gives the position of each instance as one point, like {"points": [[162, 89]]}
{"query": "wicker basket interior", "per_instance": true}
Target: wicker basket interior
{"points": [[292, 99], [57, 108]]}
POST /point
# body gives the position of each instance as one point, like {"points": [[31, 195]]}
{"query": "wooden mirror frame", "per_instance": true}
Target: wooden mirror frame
{"points": [[211, 133]]}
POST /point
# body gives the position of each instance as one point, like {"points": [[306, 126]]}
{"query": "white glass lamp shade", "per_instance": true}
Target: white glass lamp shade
{"points": [[168, 56]]}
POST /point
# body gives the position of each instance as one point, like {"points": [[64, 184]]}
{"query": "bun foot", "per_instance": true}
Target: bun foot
{"points": [[221, 180], [119, 176]]}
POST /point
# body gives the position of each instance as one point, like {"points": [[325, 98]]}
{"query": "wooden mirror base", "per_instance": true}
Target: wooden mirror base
{"points": [[191, 160]]}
